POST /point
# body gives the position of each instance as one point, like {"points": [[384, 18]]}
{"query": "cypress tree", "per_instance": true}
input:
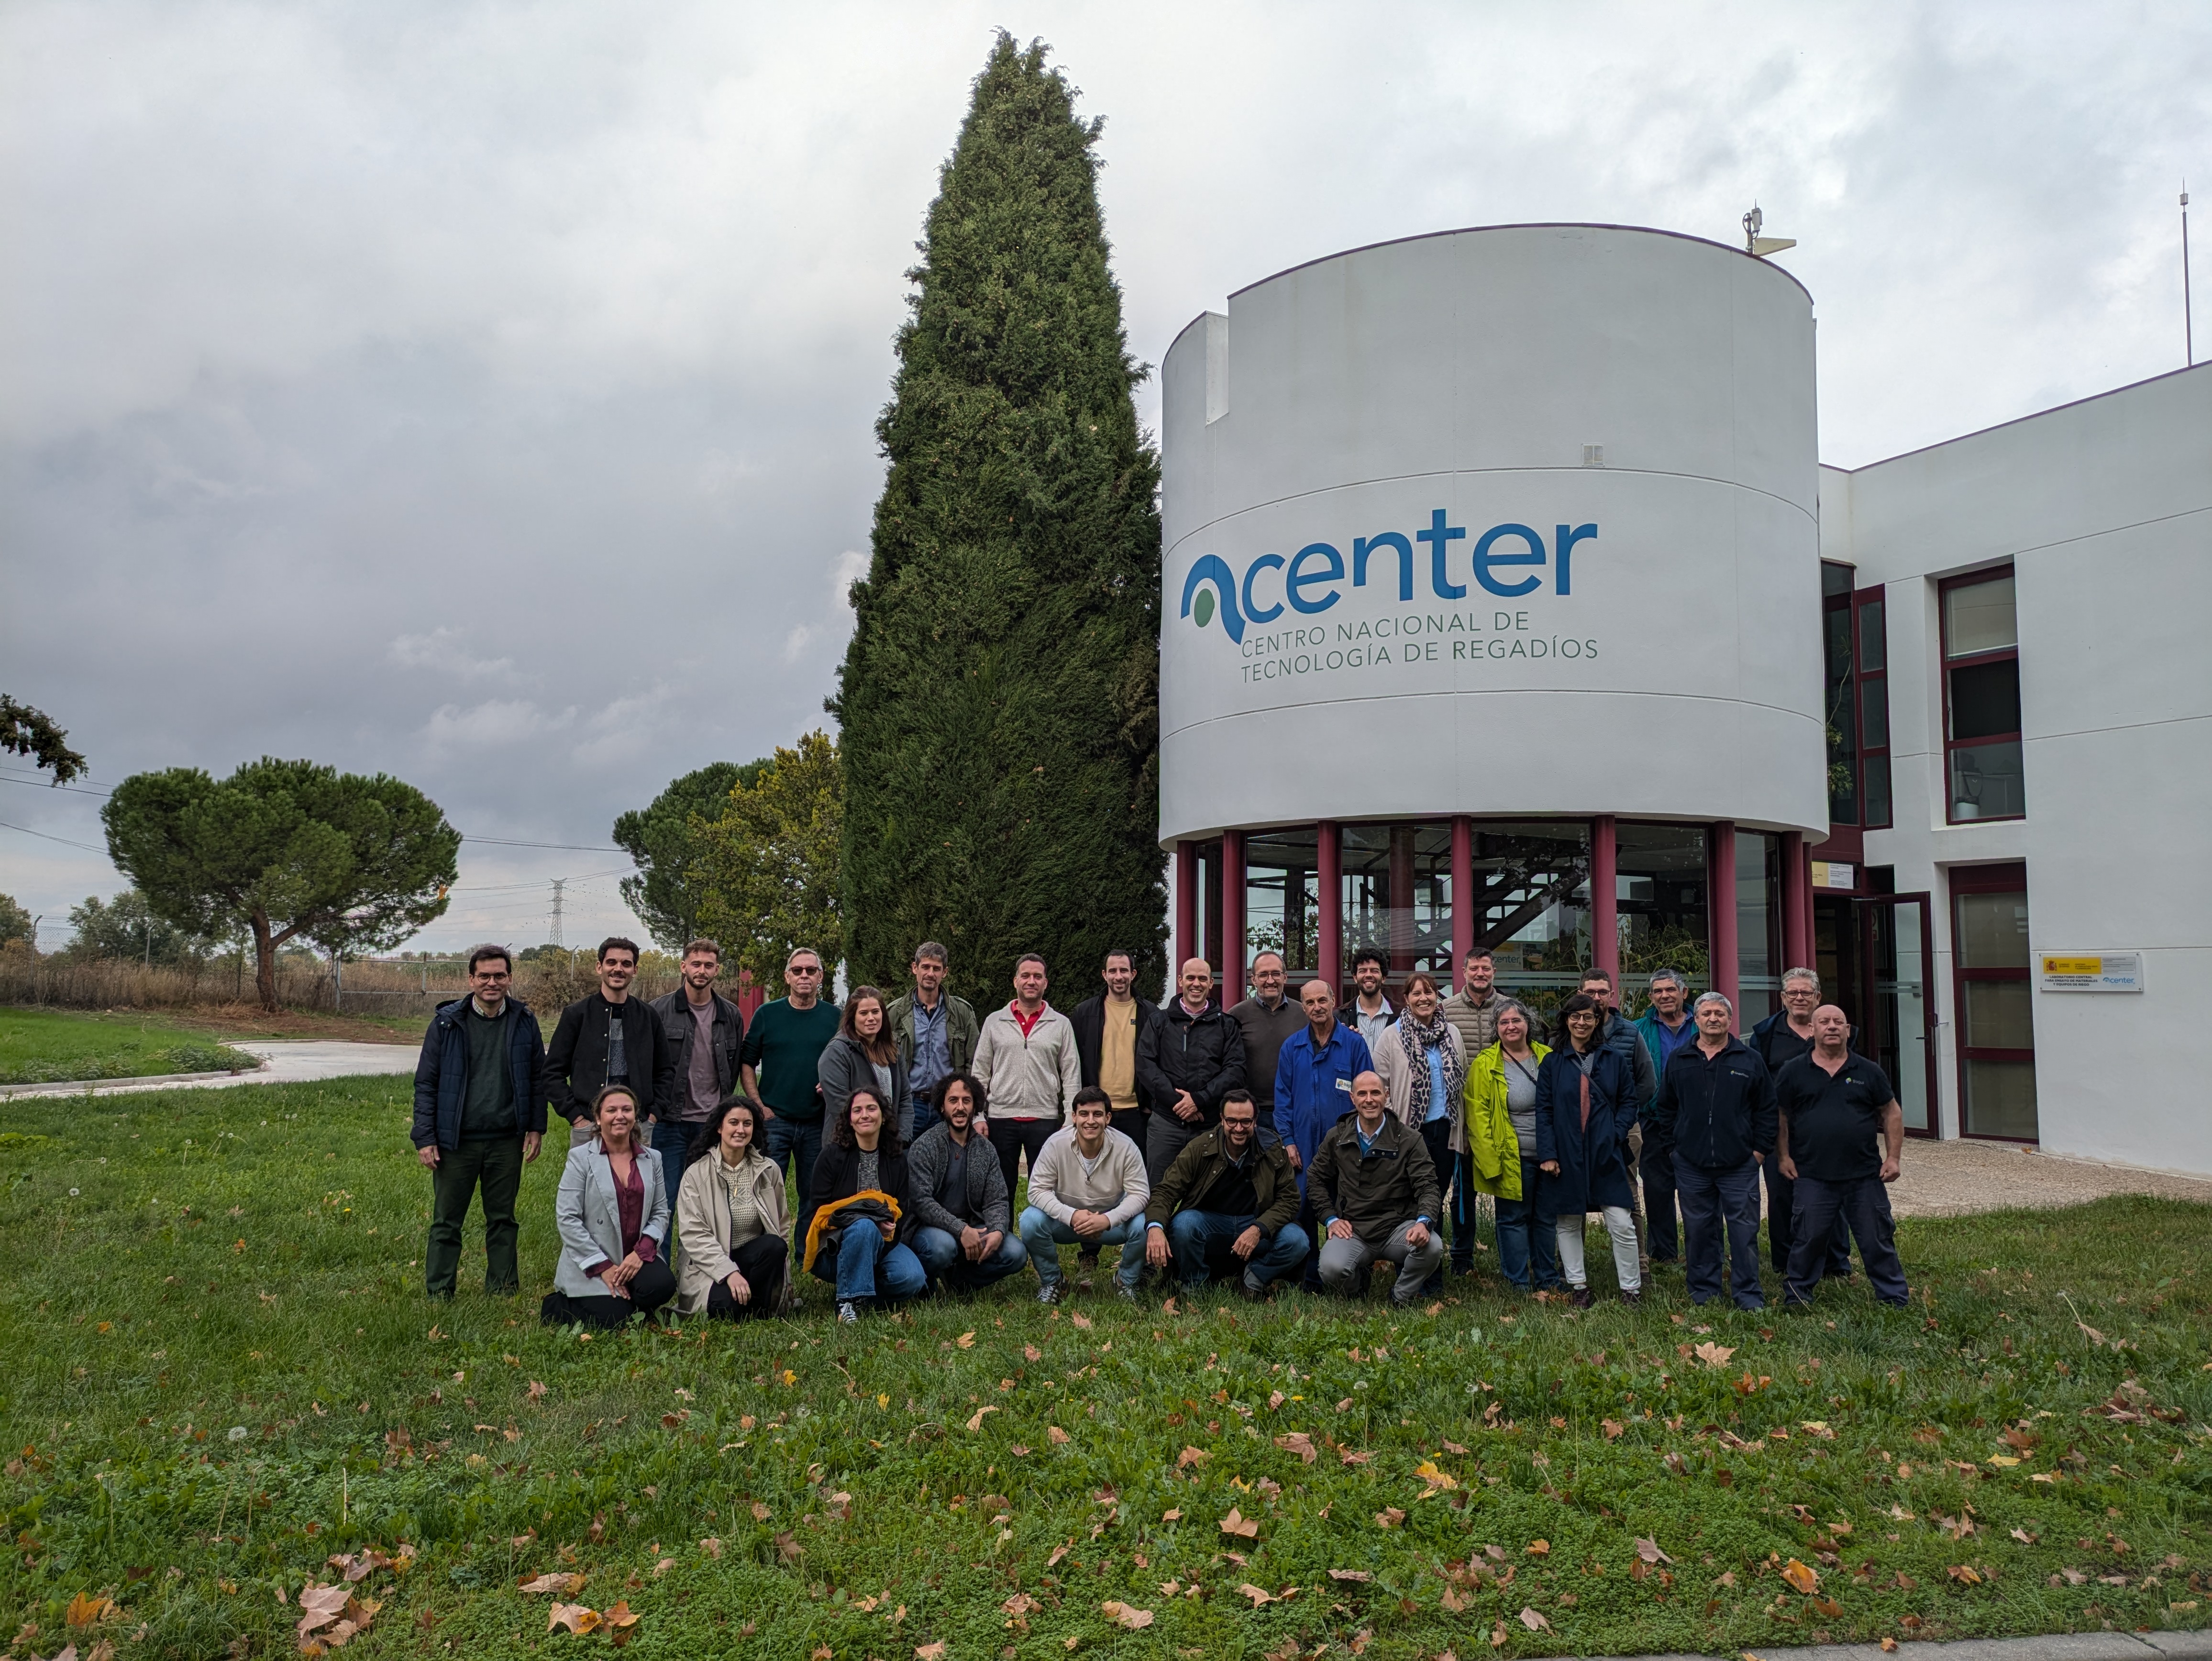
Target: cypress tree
{"points": [[999, 700]]}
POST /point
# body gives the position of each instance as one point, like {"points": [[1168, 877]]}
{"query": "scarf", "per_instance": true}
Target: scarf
{"points": [[1417, 1035]]}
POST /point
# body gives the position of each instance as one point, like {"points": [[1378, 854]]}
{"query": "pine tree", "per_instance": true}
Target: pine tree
{"points": [[1000, 700]]}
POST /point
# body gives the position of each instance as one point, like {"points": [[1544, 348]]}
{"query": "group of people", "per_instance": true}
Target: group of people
{"points": [[1276, 1139]]}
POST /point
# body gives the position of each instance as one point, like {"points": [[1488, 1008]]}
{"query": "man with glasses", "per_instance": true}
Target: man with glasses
{"points": [[782, 1059], [479, 1118], [606, 1037], [1228, 1204], [1664, 1028]]}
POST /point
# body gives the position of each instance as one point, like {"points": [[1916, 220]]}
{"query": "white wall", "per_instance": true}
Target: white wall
{"points": [[2104, 507], [1467, 372]]}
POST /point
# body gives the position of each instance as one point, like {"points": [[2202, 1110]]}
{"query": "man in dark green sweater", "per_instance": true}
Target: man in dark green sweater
{"points": [[479, 1118], [782, 1059]]}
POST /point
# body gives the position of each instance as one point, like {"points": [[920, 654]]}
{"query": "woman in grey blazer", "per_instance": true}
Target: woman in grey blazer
{"points": [[612, 1212]]}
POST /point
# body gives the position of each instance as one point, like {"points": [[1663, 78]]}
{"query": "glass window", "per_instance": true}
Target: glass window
{"points": [[1842, 709], [1874, 715], [1992, 931], [1873, 641], [1661, 880], [1985, 699], [1978, 617], [1874, 786], [1397, 894], [1531, 904], [1757, 926], [1282, 897], [1996, 1002]]}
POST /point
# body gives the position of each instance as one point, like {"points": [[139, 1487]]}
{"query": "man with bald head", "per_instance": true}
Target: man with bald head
{"points": [[1374, 1188], [1314, 1073], [1187, 1061], [1841, 1139]]}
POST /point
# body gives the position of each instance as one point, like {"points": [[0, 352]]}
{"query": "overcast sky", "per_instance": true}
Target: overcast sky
{"points": [[485, 393]]}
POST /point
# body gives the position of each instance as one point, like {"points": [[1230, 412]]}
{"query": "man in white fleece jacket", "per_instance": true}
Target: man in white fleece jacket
{"points": [[1087, 1188]]}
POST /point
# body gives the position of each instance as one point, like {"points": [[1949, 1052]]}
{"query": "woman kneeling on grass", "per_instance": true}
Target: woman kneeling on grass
{"points": [[612, 1212], [862, 1213], [1585, 1104], [731, 1221]]}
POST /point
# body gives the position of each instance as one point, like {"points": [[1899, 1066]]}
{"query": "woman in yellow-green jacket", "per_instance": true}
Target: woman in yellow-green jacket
{"points": [[1499, 1131]]}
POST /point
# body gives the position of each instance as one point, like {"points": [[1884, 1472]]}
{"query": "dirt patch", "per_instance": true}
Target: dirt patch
{"points": [[245, 1020]]}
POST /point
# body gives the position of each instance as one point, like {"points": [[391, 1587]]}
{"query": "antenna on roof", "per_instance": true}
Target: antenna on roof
{"points": [[2188, 317], [1760, 246]]}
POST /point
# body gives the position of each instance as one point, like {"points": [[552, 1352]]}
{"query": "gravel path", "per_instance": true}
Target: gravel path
{"points": [[1954, 1179]]}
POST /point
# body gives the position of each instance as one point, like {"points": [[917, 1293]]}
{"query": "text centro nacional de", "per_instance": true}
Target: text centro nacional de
{"points": [[1431, 599]]}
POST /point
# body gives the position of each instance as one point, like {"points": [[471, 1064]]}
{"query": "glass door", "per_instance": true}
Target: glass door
{"points": [[1897, 951]]}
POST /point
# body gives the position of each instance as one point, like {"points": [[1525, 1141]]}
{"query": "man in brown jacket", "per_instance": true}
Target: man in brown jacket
{"points": [[1227, 1202]]}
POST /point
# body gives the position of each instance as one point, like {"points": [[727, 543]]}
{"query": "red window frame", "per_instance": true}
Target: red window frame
{"points": [[1971, 660], [1873, 689]]}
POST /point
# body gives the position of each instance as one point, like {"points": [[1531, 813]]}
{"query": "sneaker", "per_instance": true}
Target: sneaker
{"points": [[1632, 1299], [1126, 1293], [1581, 1297], [848, 1313], [1255, 1291], [1048, 1293]]}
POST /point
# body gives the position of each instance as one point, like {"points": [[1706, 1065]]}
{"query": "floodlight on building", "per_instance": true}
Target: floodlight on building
{"points": [[1760, 246]]}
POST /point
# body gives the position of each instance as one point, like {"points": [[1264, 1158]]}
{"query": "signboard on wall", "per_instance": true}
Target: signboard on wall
{"points": [[2081, 971]]}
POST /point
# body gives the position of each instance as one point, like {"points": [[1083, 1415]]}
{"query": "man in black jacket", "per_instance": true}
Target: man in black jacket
{"points": [[1187, 1061], [610, 1038], [705, 1032], [1716, 1109], [479, 1118], [1131, 1017]]}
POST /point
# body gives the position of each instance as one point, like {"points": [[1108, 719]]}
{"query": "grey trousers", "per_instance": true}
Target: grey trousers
{"points": [[1343, 1262]]}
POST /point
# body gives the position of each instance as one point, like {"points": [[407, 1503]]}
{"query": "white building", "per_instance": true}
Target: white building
{"points": [[1506, 604]]}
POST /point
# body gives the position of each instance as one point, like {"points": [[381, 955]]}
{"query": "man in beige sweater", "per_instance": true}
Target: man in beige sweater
{"points": [[1087, 1188], [1026, 1056]]}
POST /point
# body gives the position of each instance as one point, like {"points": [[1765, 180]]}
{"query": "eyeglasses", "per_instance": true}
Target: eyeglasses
{"points": [[802, 969]]}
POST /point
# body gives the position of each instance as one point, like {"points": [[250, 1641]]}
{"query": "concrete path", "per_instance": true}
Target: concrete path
{"points": [[1954, 1179], [2064, 1646], [283, 1061]]}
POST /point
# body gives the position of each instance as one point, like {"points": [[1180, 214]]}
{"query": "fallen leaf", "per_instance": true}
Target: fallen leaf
{"points": [[1534, 1622], [1438, 1482], [576, 1616], [1021, 1604], [1055, 1435], [1172, 1514], [1080, 1322], [788, 1548], [929, 1651], [1259, 1594], [1275, 1399], [1126, 1614], [977, 1422], [84, 1610], [1799, 1575], [712, 1548], [622, 1623], [1713, 1354], [1237, 1524], [966, 1341], [2024, 1537], [561, 1586], [1964, 1574], [1539, 1547], [1613, 1428], [761, 1512], [1453, 1447], [1361, 1576], [1031, 1352], [1352, 1458], [1299, 1443], [1648, 1551], [1191, 1457], [1389, 1517], [1058, 1552]]}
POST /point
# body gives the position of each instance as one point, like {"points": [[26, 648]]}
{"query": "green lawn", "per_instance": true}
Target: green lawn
{"points": [[52, 1046], [222, 1372]]}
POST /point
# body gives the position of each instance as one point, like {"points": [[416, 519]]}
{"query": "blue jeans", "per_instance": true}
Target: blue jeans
{"points": [[867, 1266], [1527, 1243], [671, 1137], [1043, 1237], [945, 1263], [796, 1141], [1822, 1209], [1200, 1241], [1712, 1200]]}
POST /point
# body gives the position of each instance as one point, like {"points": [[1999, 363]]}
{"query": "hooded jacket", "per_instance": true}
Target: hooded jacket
{"points": [[441, 1075]]}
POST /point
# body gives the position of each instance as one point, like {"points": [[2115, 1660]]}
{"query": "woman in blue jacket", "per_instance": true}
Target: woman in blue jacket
{"points": [[1585, 1104]]}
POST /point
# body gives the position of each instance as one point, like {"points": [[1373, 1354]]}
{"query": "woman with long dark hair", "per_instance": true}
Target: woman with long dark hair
{"points": [[1585, 1104], [612, 1212], [864, 1053], [863, 1215], [732, 1220]]}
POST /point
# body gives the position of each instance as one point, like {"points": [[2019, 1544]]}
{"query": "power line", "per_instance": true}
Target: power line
{"points": [[64, 841]]}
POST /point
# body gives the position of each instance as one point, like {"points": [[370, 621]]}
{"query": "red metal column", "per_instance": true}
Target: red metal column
{"points": [[1232, 917], [1796, 902], [1462, 894], [1605, 897], [1331, 939], [1186, 908], [1720, 907]]}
